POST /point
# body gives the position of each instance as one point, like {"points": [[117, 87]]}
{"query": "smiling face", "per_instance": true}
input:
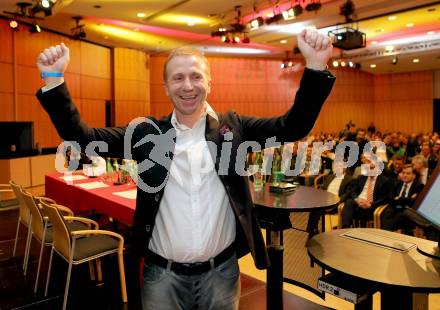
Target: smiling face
{"points": [[187, 84]]}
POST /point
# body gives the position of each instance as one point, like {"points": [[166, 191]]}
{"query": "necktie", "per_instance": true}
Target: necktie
{"points": [[403, 194], [370, 189]]}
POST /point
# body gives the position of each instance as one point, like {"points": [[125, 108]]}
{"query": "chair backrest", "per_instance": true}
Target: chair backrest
{"points": [[37, 223], [23, 209], [61, 235]]}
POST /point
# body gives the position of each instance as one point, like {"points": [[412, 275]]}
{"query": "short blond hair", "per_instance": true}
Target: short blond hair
{"points": [[186, 51]]}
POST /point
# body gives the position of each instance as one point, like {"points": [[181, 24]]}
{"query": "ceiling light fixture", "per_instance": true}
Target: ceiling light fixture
{"points": [[283, 41], [236, 33], [393, 17], [410, 25], [35, 28], [256, 23], [13, 24], [430, 32], [141, 15], [373, 66], [416, 60]]}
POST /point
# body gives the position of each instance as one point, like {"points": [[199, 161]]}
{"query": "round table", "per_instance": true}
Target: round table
{"points": [[396, 274], [273, 210]]}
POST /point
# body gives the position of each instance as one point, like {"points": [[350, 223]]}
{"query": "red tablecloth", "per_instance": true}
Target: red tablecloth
{"points": [[84, 200]]}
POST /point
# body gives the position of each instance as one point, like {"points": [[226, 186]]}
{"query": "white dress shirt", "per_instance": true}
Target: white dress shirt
{"points": [[195, 221], [334, 185], [363, 194]]}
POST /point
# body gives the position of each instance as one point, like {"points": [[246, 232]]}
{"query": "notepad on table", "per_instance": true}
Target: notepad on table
{"points": [[92, 185], [74, 177], [131, 194]]}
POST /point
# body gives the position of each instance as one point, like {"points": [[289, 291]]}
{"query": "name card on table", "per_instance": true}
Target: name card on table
{"points": [[131, 194], [74, 177], [92, 185]]}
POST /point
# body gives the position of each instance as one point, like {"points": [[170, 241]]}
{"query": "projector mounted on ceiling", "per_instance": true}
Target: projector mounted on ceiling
{"points": [[348, 38]]}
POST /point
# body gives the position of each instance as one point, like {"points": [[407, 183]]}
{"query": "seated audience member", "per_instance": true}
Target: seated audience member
{"points": [[395, 147], [338, 182], [404, 196], [425, 151], [393, 171], [421, 166], [436, 149], [367, 193]]}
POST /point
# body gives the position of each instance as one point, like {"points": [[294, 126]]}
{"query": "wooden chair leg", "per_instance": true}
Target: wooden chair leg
{"points": [[16, 238], [66, 290], [92, 271], [49, 270], [99, 269], [122, 277]]}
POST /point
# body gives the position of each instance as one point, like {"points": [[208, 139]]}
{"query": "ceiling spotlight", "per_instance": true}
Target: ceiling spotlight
{"points": [[13, 24], [283, 41], [394, 60], [343, 63], [45, 4], [246, 40], [373, 66], [315, 5], [141, 15], [275, 18], [35, 28], [335, 63], [351, 64], [430, 32], [256, 23], [236, 39], [393, 17], [409, 25], [416, 60]]}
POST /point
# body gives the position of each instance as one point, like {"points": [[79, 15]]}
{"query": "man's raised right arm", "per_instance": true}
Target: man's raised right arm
{"points": [[56, 100]]}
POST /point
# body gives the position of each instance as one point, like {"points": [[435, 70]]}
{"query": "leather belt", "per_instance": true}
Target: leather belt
{"points": [[190, 269]]}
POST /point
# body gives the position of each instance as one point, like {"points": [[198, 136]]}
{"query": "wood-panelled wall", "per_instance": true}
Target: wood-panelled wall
{"points": [[404, 101], [88, 77], [259, 87], [132, 85]]}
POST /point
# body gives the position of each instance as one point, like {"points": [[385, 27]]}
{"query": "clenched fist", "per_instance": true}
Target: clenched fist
{"points": [[53, 59], [315, 47]]}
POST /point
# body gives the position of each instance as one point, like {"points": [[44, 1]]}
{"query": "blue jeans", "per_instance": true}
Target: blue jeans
{"points": [[219, 288]]}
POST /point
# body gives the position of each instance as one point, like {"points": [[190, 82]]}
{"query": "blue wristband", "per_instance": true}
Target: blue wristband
{"points": [[46, 74]]}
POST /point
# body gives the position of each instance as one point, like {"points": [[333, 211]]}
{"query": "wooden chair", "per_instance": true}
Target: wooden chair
{"points": [[24, 218], [6, 193], [40, 229], [374, 223], [82, 246]]}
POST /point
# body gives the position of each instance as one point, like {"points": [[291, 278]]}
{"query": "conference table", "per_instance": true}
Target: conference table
{"points": [[397, 274], [83, 195]]}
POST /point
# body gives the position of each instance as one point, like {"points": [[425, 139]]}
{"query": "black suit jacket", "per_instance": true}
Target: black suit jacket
{"points": [[382, 191], [415, 188], [296, 123]]}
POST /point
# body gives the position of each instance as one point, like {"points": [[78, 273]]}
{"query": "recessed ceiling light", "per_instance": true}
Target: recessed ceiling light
{"points": [[410, 25], [141, 15], [416, 60], [373, 42], [393, 17], [430, 32], [191, 24], [373, 66], [283, 41]]}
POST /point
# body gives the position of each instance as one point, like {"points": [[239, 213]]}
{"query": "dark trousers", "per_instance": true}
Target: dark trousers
{"points": [[352, 211]]}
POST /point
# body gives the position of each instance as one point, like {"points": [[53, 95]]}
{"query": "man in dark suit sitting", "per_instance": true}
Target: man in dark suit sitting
{"points": [[404, 194], [367, 194]]}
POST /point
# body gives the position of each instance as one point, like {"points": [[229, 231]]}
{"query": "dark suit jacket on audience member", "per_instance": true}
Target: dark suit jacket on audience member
{"points": [[416, 188], [382, 189]]}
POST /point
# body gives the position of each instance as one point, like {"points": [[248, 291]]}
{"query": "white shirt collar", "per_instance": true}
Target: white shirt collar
{"points": [[208, 111]]}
